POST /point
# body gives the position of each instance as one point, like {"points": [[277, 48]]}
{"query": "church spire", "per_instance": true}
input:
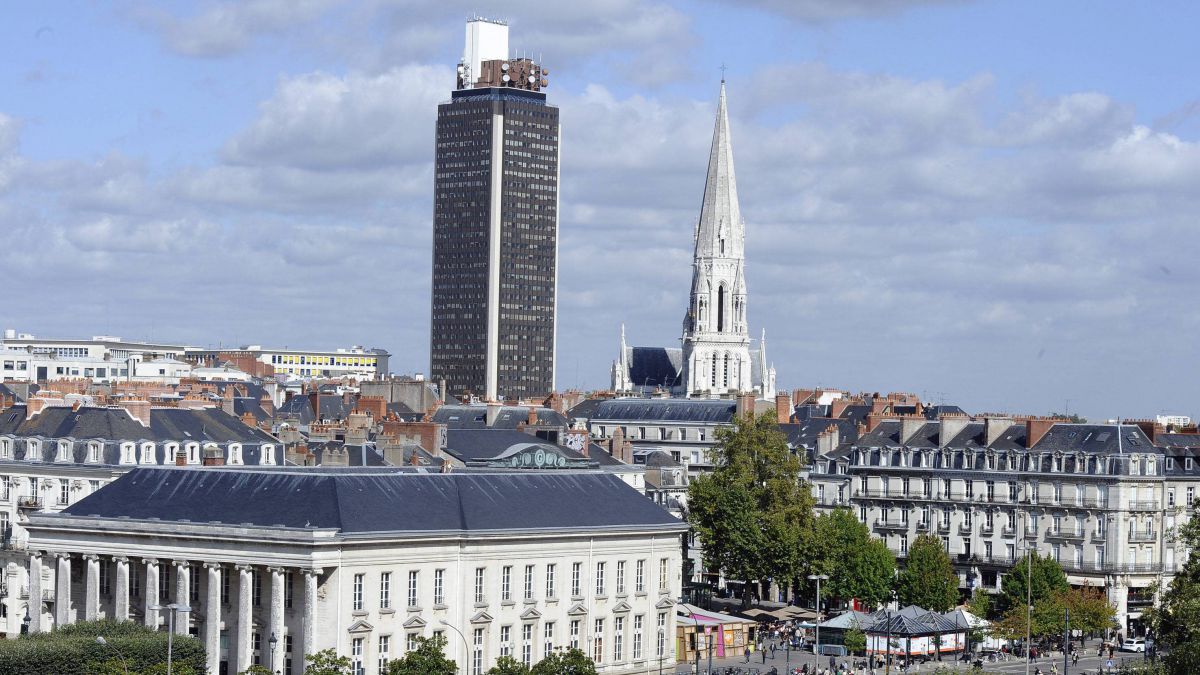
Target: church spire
{"points": [[720, 231]]}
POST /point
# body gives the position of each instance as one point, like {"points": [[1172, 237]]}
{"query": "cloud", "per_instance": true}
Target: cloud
{"points": [[830, 10], [222, 29]]}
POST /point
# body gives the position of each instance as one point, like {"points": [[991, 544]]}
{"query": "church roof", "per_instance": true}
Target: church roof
{"points": [[719, 411], [655, 366]]}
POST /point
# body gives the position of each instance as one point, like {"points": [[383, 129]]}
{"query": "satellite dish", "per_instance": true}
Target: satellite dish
{"points": [[532, 79], [504, 66], [504, 79]]}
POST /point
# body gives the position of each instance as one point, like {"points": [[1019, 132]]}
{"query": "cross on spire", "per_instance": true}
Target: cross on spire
{"points": [[722, 72]]}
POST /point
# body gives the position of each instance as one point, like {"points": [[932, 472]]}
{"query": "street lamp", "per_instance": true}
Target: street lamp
{"points": [[273, 641], [466, 651], [104, 643], [171, 610], [818, 578], [25, 623]]}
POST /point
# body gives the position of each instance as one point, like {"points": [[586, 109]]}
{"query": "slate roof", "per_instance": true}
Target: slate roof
{"points": [[166, 424], [508, 417], [333, 407], [719, 411], [1098, 438], [475, 445], [655, 366], [804, 434], [363, 501], [5, 391]]}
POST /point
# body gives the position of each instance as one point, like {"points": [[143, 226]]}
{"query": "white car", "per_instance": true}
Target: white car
{"points": [[1133, 645]]}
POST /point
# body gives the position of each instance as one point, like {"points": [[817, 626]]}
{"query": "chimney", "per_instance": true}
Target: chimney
{"points": [[783, 408], [414, 458], [1036, 428], [994, 428], [801, 396], [213, 456], [949, 427], [837, 407], [180, 457], [873, 420], [909, 426], [745, 405], [493, 410], [533, 416], [314, 400], [828, 440], [1150, 427], [138, 410], [34, 406]]}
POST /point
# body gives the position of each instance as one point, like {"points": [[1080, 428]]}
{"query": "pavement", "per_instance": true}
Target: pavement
{"points": [[1089, 663]]}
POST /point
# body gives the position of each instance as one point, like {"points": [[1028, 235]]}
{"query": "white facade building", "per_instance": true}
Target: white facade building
{"points": [[366, 561], [357, 362]]}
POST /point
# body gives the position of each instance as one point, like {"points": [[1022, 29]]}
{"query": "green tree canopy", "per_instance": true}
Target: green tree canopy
{"points": [[858, 566], [73, 649], [327, 662], [750, 511], [981, 604], [1048, 578], [429, 658], [855, 640], [570, 662], [928, 579], [1176, 621], [507, 665]]}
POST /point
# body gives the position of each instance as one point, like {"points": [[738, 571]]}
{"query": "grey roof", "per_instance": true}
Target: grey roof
{"points": [[719, 411], [655, 366], [1099, 438], [507, 417], [333, 407], [166, 424], [477, 445], [804, 434], [381, 500]]}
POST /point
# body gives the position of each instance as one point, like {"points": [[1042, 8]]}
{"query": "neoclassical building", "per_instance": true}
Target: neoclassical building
{"points": [[364, 561], [715, 358]]}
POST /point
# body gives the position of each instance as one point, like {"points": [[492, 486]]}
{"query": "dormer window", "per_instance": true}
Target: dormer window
{"points": [[128, 453], [1134, 465], [193, 453], [268, 454], [147, 454], [5, 448], [1150, 468], [33, 450], [235, 453], [93, 452], [64, 452]]}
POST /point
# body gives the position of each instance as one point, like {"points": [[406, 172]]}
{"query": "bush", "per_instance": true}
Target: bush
{"points": [[73, 650]]}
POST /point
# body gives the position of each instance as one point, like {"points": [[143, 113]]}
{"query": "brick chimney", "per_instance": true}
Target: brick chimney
{"points": [[994, 428], [801, 396], [783, 408], [909, 426], [950, 426], [532, 419], [375, 405], [873, 420], [137, 409], [828, 440], [837, 407], [213, 456], [180, 457], [1036, 428], [745, 405], [34, 406], [1150, 427]]}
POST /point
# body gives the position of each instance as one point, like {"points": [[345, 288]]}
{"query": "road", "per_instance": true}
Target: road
{"points": [[1090, 664]]}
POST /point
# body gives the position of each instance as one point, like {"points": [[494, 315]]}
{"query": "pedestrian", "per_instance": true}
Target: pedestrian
{"points": [[772, 650], [747, 649], [764, 653]]}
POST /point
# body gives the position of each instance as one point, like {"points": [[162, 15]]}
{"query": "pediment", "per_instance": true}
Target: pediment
{"points": [[414, 622], [577, 610], [482, 617], [622, 607], [664, 603], [530, 614], [360, 626]]}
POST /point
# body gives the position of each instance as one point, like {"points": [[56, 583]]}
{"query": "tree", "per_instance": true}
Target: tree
{"points": [[858, 566], [1176, 621], [855, 640], [429, 658], [1048, 578], [327, 662], [750, 511], [507, 665], [72, 649], [928, 579], [570, 662], [981, 604]]}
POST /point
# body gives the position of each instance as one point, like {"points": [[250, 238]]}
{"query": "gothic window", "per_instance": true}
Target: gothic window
{"points": [[721, 308], [713, 381], [726, 363]]}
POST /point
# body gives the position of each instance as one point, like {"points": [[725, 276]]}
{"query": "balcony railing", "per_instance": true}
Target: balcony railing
{"points": [[29, 503], [1008, 530], [1064, 534], [891, 525], [943, 527], [1143, 505], [922, 526], [1142, 536]]}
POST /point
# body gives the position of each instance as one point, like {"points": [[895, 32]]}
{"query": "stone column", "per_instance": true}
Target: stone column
{"points": [[245, 620], [121, 592], [212, 617], [310, 611], [62, 593], [91, 602], [183, 596], [277, 627], [34, 608], [150, 593]]}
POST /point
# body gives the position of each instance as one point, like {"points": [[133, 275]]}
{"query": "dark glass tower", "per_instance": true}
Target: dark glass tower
{"points": [[495, 226]]}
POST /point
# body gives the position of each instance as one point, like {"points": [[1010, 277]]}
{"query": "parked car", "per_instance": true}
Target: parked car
{"points": [[1133, 645]]}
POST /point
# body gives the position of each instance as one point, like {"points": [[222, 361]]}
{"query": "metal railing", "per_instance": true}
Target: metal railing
{"points": [[1143, 505]]}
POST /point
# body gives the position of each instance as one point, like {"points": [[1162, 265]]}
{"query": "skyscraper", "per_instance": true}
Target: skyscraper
{"points": [[495, 225]]}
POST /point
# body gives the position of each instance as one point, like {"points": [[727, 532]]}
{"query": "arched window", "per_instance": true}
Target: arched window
{"points": [[726, 361], [721, 308]]}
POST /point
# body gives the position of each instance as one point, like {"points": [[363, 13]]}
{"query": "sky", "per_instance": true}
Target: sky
{"points": [[991, 204]]}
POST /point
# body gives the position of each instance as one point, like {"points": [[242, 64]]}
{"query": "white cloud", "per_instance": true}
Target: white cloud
{"points": [[223, 28], [828, 10]]}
